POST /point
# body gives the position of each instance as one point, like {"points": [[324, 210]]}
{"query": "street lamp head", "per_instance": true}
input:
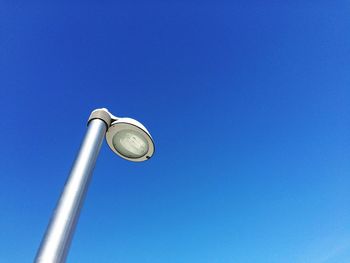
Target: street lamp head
{"points": [[130, 140], [125, 136]]}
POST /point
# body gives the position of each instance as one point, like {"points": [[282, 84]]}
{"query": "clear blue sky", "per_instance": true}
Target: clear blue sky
{"points": [[247, 101]]}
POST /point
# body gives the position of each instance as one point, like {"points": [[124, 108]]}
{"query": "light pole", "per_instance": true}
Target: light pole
{"points": [[126, 137]]}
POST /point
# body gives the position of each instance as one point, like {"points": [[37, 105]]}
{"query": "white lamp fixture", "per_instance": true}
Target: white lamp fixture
{"points": [[126, 137], [130, 140]]}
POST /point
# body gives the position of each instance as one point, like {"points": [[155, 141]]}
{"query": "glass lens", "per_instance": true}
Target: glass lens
{"points": [[131, 144]]}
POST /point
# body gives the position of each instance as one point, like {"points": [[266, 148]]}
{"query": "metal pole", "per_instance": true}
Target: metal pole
{"points": [[58, 236]]}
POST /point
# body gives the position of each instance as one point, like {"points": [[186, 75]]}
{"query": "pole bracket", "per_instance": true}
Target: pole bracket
{"points": [[104, 115]]}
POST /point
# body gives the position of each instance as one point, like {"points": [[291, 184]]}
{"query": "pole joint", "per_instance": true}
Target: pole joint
{"points": [[104, 115]]}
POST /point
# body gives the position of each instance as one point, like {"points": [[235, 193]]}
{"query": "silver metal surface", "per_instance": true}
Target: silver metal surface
{"points": [[56, 242]]}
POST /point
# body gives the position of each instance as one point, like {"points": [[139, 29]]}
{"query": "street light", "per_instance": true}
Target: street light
{"points": [[126, 137]]}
